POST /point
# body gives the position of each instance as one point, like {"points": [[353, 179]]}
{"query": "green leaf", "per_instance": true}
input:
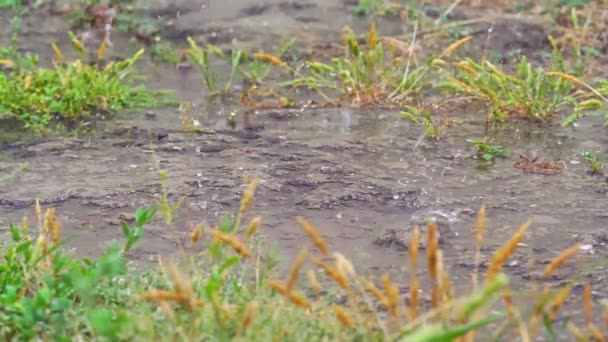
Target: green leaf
{"points": [[548, 325], [101, 320], [144, 215], [126, 230]]}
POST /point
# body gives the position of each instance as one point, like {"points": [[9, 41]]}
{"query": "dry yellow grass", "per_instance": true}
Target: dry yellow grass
{"points": [[480, 228], [248, 195], [232, 241], [333, 273], [253, 226], [312, 233], [456, 45], [292, 278], [343, 316], [195, 234], [313, 281], [560, 260], [249, 315], [506, 251], [268, 58]]}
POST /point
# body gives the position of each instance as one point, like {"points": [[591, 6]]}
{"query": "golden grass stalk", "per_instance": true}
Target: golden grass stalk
{"points": [[253, 226], [432, 245], [278, 286], [391, 292], [268, 58], [101, 51], [576, 332], [195, 234], [292, 278], [462, 65], [312, 233], [170, 296], [181, 284], [344, 265], [248, 195], [561, 259], [480, 229], [413, 299], [372, 36], [52, 227], [38, 210], [507, 300], [249, 315], [456, 45], [558, 300], [588, 303], [506, 251], [595, 333], [58, 55], [480, 226], [233, 242], [374, 291], [446, 289], [335, 274], [299, 300], [343, 316], [313, 281], [575, 80], [493, 68], [413, 250]]}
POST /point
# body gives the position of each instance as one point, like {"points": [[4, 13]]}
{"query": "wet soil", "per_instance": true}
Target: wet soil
{"points": [[356, 174]]}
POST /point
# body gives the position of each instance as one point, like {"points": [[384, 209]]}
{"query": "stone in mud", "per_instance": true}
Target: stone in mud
{"points": [[401, 237]]}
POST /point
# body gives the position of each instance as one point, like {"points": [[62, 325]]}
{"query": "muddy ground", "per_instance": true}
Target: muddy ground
{"points": [[353, 173]]}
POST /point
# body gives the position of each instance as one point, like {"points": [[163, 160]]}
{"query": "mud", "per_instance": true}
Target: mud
{"points": [[357, 175]]}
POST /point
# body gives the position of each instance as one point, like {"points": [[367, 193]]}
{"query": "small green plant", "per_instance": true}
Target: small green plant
{"points": [[595, 164], [252, 69], [134, 234], [365, 7], [372, 74], [163, 52], [488, 152], [533, 93], [166, 207], [424, 118]]}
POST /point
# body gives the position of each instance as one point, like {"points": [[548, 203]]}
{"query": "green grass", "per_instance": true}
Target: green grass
{"points": [[595, 163], [529, 92], [67, 93]]}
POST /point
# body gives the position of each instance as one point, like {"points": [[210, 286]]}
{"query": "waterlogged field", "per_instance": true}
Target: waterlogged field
{"points": [[310, 170]]}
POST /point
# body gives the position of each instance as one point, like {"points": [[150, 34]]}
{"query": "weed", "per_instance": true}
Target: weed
{"points": [[422, 117], [595, 164], [489, 152], [252, 69], [365, 7], [373, 74], [69, 92], [529, 93], [162, 51]]}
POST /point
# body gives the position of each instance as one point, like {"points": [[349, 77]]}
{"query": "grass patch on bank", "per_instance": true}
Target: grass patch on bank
{"points": [[69, 92], [223, 287]]}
